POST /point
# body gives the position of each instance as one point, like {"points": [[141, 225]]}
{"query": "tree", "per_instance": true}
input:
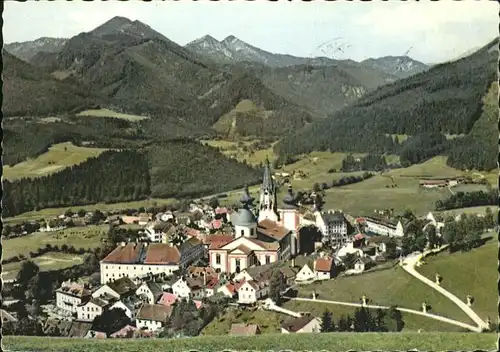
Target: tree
{"points": [[391, 249], [178, 237], [27, 272], [393, 320], [111, 321], [81, 213], [489, 219], [276, 285], [363, 320], [213, 202], [432, 236], [316, 187], [380, 320], [327, 324], [343, 324]]}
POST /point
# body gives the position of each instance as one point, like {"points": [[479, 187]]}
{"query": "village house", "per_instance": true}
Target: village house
{"points": [[151, 291], [252, 291], [436, 183], [117, 289], [361, 264], [130, 305], [153, 317], [230, 289], [324, 268], [135, 260], [69, 296], [380, 243], [154, 233], [305, 324], [305, 274], [384, 227], [432, 221], [334, 227], [7, 317], [244, 330], [353, 248], [189, 287], [89, 310], [167, 299]]}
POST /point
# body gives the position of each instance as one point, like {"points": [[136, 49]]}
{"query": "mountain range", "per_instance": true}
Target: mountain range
{"points": [[232, 88]]}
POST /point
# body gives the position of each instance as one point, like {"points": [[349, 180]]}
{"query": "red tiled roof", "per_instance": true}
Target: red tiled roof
{"points": [[272, 229], [323, 264], [244, 249], [198, 304], [167, 299], [154, 312], [216, 224], [360, 220], [216, 241], [162, 253], [212, 283], [124, 254], [359, 236], [233, 287]]}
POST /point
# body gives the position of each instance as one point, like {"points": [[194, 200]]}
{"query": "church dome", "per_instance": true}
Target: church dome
{"points": [[244, 217]]}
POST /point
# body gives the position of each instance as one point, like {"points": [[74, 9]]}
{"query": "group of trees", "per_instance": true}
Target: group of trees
{"points": [[364, 321], [113, 176], [468, 199], [370, 162], [421, 147], [465, 234]]}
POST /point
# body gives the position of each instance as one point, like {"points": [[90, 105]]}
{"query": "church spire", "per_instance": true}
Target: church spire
{"points": [[267, 181]]}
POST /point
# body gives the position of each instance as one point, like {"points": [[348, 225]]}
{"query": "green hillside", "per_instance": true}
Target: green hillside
{"points": [[297, 342], [446, 99]]}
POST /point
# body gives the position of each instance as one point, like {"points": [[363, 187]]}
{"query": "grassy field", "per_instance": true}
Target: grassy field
{"points": [[472, 273], [470, 210], [269, 322], [46, 262], [387, 287], [52, 212], [57, 158], [413, 322], [237, 150], [79, 237], [295, 342], [113, 114]]}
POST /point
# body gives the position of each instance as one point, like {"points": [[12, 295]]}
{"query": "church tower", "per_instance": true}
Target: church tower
{"points": [[268, 197]]}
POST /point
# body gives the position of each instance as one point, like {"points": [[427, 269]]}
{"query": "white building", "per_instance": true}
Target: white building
{"points": [[323, 268], [153, 317], [334, 227], [154, 234], [305, 274], [69, 296], [305, 324], [252, 291], [151, 291], [117, 289], [137, 260], [129, 305], [189, 287], [384, 228], [91, 309]]}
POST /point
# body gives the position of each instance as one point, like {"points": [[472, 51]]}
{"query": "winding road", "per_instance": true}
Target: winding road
{"points": [[408, 265]]}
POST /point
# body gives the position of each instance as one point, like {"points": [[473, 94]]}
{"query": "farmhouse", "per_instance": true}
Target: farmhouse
{"points": [[324, 268], [153, 317], [305, 324], [69, 296], [252, 291], [129, 305], [151, 291], [91, 309], [305, 274]]}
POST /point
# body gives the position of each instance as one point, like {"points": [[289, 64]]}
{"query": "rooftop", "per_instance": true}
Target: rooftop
{"points": [[273, 230], [154, 312], [294, 325]]}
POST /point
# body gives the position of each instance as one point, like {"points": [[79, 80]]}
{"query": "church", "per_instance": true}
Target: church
{"points": [[263, 239]]}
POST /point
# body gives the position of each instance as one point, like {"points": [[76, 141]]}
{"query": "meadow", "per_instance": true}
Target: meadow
{"points": [[58, 157], [269, 322], [112, 114], [295, 342], [78, 237], [386, 287], [46, 262], [471, 273]]}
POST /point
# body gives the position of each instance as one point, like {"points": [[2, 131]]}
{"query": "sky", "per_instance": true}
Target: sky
{"points": [[427, 31]]}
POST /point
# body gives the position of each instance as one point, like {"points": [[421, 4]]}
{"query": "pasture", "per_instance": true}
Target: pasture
{"points": [[46, 262], [78, 237], [58, 157], [296, 342], [386, 287], [269, 322], [472, 273], [112, 114]]}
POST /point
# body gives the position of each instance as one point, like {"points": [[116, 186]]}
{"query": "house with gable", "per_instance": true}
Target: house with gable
{"points": [[69, 296], [94, 307], [130, 305], [305, 274], [117, 289], [305, 324], [252, 291], [150, 290], [153, 317], [324, 268]]}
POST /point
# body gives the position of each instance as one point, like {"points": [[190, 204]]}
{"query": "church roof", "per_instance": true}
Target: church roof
{"points": [[244, 217], [247, 198], [290, 199], [267, 182]]}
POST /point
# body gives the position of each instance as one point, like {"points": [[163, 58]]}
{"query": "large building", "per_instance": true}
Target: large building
{"points": [[69, 296], [136, 260], [255, 243]]}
